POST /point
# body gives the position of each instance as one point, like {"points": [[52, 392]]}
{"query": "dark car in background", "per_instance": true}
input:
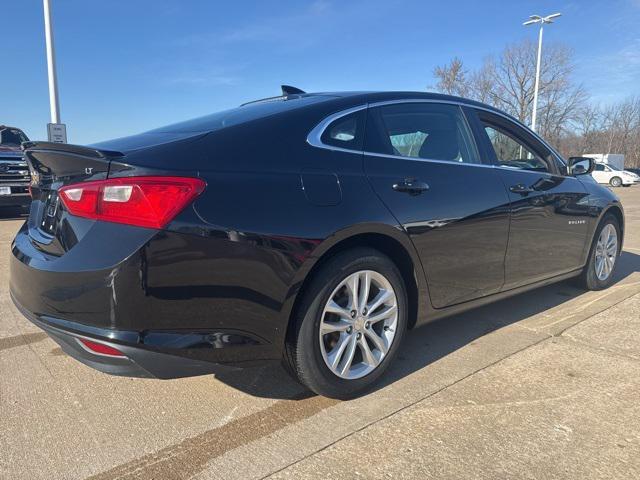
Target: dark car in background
{"points": [[317, 229], [14, 172]]}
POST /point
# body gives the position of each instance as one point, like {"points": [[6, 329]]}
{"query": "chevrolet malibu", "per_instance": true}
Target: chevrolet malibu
{"points": [[313, 229]]}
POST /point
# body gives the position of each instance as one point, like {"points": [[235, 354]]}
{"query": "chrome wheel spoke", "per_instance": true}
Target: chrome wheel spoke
{"points": [[377, 341], [380, 299], [333, 307], [605, 268], [367, 355], [352, 284], [339, 326], [383, 314], [347, 358], [335, 355], [365, 287], [599, 266]]}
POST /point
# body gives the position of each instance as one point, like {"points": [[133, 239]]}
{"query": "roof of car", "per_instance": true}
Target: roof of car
{"points": [[382, 96]]}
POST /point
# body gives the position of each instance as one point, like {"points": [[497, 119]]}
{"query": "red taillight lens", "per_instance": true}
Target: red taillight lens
{"points": [[100, 348], [142, 201]]}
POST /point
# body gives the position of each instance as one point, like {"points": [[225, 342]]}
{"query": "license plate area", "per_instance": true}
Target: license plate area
{"points": [[5, 190]]}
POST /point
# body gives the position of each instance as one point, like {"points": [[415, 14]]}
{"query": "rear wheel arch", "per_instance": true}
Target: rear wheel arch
{"points": [[409, 266], [589, 278], [617, 212], [605, 209]]}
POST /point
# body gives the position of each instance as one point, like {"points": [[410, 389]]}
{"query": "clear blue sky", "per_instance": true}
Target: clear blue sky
{"points": [[126, 66]]}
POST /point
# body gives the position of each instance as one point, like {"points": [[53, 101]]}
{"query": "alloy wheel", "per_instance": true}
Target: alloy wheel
{"points": [[606, 252], [358, 324]]}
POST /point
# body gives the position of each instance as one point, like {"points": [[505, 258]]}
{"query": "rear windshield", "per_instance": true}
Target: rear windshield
{"points": [[12, 136], [234, 116]]}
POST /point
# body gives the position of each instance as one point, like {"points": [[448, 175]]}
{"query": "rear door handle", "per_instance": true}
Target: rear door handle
{"points": [[410, 186], [521, 188]]}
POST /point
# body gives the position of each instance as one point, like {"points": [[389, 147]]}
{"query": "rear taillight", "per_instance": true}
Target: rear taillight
{"points": [[142, 201], [100, 348]]}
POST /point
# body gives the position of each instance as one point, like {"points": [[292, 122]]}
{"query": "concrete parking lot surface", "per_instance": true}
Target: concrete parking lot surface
{"points": [[542, 385]]}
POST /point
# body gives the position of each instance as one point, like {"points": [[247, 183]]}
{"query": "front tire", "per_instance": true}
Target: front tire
{"points": [[603, 256], [351, 321], [615, 182]]}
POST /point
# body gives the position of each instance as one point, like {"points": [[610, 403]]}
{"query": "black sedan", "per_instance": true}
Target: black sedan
{"points": [[316, 229]]}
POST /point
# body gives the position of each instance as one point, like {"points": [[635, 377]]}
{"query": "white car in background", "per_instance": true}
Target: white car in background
{"points": [[609, 174]]}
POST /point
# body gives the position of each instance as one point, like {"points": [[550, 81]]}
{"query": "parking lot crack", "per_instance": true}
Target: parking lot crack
{"points": [[566, 329], [599, 348]]}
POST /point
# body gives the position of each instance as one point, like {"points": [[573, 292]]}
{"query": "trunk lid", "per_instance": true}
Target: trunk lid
{"points": [[53, 165]]}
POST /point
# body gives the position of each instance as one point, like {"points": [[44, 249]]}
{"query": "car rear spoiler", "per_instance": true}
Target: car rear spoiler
{"points": [[73, 149]]}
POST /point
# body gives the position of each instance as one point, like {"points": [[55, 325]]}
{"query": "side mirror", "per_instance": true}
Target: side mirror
{"points": [[580, 165]]}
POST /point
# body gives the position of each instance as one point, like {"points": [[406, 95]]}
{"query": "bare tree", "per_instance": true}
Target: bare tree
{"points": [[614, 128], [452, 78], [565, 118], [588, 128], [507, 82]]}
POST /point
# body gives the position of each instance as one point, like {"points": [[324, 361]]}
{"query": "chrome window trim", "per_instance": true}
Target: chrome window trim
{"points": [[314, 138], [430, 160]]}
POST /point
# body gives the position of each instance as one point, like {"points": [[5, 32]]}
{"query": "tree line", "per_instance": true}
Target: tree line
{"points": [[566, 117]]}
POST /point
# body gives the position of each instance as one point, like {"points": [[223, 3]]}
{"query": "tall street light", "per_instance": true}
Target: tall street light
{"points": [[57, 131], [541, 20]]}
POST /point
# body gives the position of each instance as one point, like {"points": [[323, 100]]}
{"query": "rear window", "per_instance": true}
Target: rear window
{"points": [[346, 132], [235, 116]]}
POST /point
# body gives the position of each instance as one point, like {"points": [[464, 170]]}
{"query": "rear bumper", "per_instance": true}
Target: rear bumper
{"points": [[162, 334], [149, 354]]}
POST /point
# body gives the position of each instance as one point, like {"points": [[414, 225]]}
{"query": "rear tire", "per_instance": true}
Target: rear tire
{"points": [[348, 361], [595, 275], [615, 182]]}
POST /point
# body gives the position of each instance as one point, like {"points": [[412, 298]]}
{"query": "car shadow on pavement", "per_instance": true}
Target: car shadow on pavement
{"points": [[428, 343]]}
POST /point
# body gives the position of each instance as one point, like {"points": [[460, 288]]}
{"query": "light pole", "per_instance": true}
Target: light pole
{"points": [[57, 131], [541, 20]]}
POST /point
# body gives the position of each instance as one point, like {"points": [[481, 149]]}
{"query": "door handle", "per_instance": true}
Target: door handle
{"points": [[410, 186], [521, 188]]}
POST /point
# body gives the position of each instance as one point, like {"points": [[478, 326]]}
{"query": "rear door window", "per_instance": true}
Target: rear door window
{"points": [[428, 131]]}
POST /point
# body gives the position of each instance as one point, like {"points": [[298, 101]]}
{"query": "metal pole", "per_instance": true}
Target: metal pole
{"points": [[535, 90], [51, 64]]}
